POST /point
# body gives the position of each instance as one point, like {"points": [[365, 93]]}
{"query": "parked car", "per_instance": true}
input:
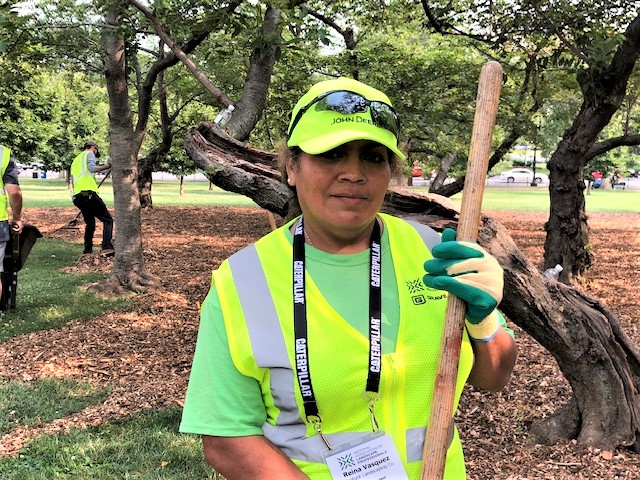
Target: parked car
{"points": [[523, 175]]}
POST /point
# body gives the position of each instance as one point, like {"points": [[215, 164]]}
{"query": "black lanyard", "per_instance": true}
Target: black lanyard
{"points": [[300, 319]]}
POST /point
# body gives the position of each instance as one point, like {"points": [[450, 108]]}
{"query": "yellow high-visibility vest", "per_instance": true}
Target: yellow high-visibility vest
{"points": [[256, 296], [5, 155], [82, 178]]}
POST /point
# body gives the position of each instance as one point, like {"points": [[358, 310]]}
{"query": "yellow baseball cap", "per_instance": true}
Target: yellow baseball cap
{"points": [[334, 112]]}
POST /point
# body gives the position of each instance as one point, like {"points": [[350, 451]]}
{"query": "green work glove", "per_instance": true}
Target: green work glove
{"points": [[469, 272]]}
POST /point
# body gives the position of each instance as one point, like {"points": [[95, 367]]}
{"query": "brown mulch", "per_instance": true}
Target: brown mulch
{"points": [[145, 355]]}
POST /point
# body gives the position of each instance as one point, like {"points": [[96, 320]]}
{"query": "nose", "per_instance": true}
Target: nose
{"points": [[352, 168]]}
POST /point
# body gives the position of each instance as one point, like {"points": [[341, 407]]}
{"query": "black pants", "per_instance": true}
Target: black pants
{"points": [[92, 207]]}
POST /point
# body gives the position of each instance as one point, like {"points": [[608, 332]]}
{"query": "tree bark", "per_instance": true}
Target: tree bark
{"points": [[599, 361], [237, 168], [146, 165], [443, 173], [603, 89], [256, 85], [595, 356], [128, 266], [145, 180]]}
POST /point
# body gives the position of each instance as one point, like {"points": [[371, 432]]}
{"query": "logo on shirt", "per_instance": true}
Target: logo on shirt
{"points": [[418, 299], [416, 286]]}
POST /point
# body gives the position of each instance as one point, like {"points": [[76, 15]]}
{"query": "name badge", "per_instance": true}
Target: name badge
{"points": [[372, 456]]}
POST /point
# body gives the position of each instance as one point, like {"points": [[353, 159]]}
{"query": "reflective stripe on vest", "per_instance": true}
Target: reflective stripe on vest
{"points": [[269, 350]]}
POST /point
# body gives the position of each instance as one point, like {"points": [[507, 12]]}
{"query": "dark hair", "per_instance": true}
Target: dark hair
{"points": [[90, 144], [287, 155]]}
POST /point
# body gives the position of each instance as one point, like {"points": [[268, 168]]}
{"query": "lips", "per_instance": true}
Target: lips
{"points": [[354, 195], [351, 201]]}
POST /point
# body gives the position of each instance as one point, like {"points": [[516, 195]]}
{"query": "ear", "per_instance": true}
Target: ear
{"points": [[291, 175]]}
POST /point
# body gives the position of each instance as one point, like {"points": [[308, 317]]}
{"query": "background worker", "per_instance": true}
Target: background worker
{"points": [[86, 198], [323, 332], [11, 196]]}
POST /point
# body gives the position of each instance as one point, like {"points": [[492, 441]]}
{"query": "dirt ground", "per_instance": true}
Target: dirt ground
{"points": [[145, 355]]}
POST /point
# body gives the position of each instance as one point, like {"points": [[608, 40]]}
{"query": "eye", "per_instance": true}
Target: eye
{"points": [[333, 154], [375, 156]]}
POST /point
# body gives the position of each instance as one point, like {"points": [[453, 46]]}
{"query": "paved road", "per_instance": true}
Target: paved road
{"points": [[631, 183], [501, 182]]}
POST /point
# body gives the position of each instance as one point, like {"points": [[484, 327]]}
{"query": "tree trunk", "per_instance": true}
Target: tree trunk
{"points": [[128, 266], [256, 85], [599, 361], [181, 185], [443, 173], [593, 353], [146, 165], [603, 89], [235, 167], [145, 180], [567, 229]]}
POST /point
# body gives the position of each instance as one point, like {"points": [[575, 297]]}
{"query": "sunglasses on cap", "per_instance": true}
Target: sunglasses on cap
{"points": [[345, 102]]}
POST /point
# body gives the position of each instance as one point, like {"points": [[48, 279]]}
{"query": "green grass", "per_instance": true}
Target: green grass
{"points": [[54, 193], [49, 298], [144, 447], [45, 193], [44, 400], [167, 193], [537, 199]]}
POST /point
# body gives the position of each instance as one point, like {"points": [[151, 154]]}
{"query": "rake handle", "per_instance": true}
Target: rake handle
{"points": [[441, 417]]}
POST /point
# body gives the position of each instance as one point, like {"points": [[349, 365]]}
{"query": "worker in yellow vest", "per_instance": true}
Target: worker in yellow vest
{"points": [[86, 198], [11, 195], [318, 344]]}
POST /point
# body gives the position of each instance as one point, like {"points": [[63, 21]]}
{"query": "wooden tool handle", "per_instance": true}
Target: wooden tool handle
{"points": [[441, 418]]}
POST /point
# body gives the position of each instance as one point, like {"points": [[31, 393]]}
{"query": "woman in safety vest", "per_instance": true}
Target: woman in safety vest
{"points": [[318, 345]]}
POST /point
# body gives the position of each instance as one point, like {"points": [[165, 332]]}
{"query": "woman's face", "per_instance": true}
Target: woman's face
{"points": [[341, 191]]}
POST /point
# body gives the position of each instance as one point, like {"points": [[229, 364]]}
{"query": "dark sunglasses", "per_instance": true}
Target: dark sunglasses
{"points": [[345, 102]]}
